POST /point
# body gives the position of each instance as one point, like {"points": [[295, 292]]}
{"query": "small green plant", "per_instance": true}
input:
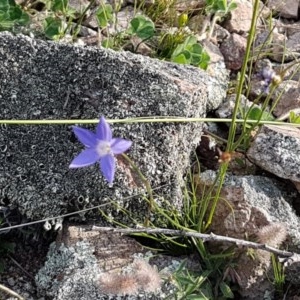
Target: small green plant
{"points": [[54, 28], [190, 284], [168, 42], [218, 9], [104, 15], [192, 53], [197, 285], [257, 113], [60, 19], [11, 15], [142, 27], [210, 281], [294, 118], [279, 276], [183, 20], [162, 11]]}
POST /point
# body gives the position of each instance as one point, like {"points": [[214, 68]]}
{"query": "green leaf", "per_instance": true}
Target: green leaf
{"points": [[17, 15], [11, 14], [178, 50], [190, 41], [5, 4], [183, 47], [293, 118], [6, 247], [204, 61], [60, 5], [226, 290], [142, 27], [182, 20], [104, 15], [222, 5], [190, 52], [196, 297], [180, 59], [108, 43], [232, 5], [53, 28], [4, 23], [257, 114]]}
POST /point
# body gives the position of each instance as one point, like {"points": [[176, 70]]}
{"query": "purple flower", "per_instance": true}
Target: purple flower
{"points": [[270, 77], [100, 146]]}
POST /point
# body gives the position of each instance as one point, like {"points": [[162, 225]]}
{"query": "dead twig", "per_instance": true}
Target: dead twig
{"points": [[10, 292], [205, 237], [19, 266]]}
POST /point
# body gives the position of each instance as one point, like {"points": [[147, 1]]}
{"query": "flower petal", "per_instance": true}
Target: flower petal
{"points": [[85, 136], [119, 146], [85, 158], [108, 165], [103, 130]]}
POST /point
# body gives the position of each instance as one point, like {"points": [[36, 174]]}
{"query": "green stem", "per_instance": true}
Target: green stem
{"points": [[216, 197], [158, 119], [232, 129], [83, 14], [251, 35], [144, 180]]}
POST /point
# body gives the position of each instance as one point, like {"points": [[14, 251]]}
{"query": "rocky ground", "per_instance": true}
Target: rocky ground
{"points": [[263, 191]]}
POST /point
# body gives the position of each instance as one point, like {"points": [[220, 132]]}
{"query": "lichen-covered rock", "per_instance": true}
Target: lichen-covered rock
{"points": [[66, 265], [88, 264], [249, 207], [277, 150], [287, 8], [46, 80]]}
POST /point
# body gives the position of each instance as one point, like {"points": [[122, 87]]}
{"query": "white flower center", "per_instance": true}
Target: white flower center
{"points": [[103, 148]]}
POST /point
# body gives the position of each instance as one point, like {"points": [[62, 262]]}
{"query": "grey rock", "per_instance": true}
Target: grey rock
{"points": [[249, 204], [123, 20], [74, 264], [233, 50], [226, 108], [46, 80], [292, 71], [286, 8], [255, 201], [293, 45], [78, 5], [277, 150], [287, 102], [189, 6], [81, 257], [240, 18], [285, 49], [292, 269]]}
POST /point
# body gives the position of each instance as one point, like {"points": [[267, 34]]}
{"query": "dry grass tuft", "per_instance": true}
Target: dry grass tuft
{"points": [[147, 276], [273, 235]]}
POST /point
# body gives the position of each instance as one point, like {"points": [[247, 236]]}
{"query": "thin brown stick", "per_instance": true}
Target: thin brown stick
{"points": [[10, 292], [205, 237], [19, 266]]}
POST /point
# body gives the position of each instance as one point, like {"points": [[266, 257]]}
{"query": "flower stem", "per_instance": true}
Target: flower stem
{"points": [[232, 130], [144, 180]]}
